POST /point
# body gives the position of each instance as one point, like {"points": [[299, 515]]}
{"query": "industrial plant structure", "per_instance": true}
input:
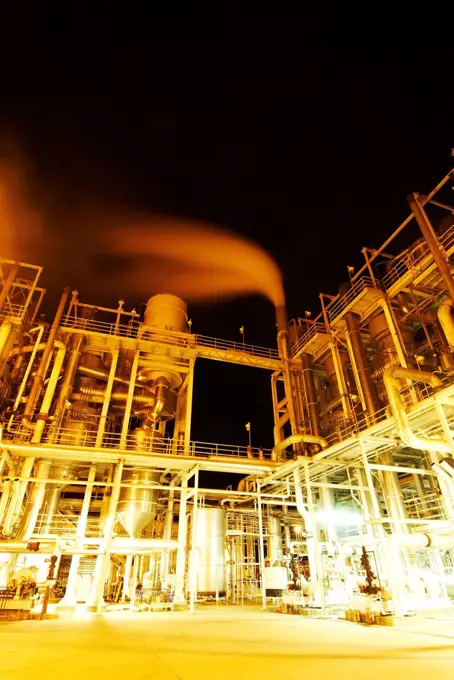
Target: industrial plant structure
{"points": [[99, 476]]}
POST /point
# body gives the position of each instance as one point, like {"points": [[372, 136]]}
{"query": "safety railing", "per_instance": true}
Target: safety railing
{"points": [[337, 306], [12, 311], [84, 437], [416, 260], [65, 524], [429, 506], [311, 332], [136, 330]]}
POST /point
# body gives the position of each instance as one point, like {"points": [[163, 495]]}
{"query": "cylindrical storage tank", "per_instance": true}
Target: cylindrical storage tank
{"points": [[166, 311], [210, 544], [381, 334], [137, 506]]}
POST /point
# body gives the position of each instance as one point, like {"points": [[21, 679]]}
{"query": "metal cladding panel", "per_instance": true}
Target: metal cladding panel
{"points": [[211, 532]]}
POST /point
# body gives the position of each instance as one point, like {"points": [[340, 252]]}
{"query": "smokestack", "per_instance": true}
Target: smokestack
{"points": [[281, 319]]}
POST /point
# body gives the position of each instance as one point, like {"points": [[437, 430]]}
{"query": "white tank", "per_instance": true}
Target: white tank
{"points": [[211, 570], [166, 311]]}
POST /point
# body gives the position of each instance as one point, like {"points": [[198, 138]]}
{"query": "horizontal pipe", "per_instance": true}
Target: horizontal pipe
{"points": [[124, 485]]}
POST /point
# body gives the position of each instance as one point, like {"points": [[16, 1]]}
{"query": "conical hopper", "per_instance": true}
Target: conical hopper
{"points": [[135, 515], [137, 506]]}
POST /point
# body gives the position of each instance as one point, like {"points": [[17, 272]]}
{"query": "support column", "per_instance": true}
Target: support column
{"points": [[69, 599], [128, 406], [167, 535], [132, 591], [96, 597], [182, 542], [35, 501], [126, 578], [193, 554], [319, 575], [432, 241], [106, 403]]}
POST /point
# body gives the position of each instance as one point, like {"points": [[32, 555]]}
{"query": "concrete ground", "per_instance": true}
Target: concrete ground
{"points": [[223, 642]]}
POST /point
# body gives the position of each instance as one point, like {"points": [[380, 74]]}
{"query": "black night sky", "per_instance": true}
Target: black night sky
{"points": [[302, 132]]}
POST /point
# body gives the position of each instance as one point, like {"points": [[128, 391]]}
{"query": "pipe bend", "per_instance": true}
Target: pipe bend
{"points": [[393, 373], [390, 377], [300, 439]]}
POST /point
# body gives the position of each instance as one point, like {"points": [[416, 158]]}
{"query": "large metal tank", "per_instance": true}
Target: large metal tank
{"points": [[210, 544], [382, 336], [167, 312], [163, 313], [137, 506]]}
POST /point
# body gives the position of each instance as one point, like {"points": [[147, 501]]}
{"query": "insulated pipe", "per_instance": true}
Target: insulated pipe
{"points": [[102, 375], [49, 393], [39, 377], [282, 345], [161, 387], [144, 395], [67, 384], [29, 366], [309, 385], [34, 501], [300, 439], [359, 357], [390, 377], [433, 242], [446, 320], [47, 546]]}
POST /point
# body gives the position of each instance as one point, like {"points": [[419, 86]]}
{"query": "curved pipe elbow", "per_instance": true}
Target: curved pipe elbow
{"points": [[390, 377], [300, 439]]}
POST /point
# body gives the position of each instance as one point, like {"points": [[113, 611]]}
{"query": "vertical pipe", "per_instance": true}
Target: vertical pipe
{"points": [[106, 402], [395, 334], [360, 360], [9, 283], [432, 241], [317, 556], [96, 598], [132, 593], [340, 377], [35, 501], [128, 406], [29, 368], [49, 394], [188, 410], [67, 385], [182, 539], [126, 579], [193, 554], [309, 385], [167, 535], [393, 495], [39, 377], [261, 545], [70, 597]]}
